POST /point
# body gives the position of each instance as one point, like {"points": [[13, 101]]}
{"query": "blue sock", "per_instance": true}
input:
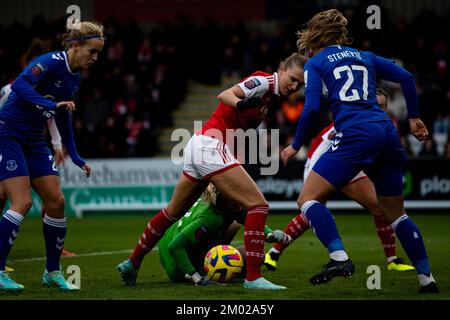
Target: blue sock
{"points": [[9, 228], [409, 236], [54, 234], [323, 225]]}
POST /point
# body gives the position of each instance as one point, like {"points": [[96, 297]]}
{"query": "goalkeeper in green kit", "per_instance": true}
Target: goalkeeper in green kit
{"points": [[211, 221]]}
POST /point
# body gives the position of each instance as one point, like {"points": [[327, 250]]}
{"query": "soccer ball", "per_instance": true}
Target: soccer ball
{"points": [[223, 263]]}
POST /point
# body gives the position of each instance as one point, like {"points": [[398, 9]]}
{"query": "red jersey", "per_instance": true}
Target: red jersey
{"points": [[326, 133], [259, 84]]}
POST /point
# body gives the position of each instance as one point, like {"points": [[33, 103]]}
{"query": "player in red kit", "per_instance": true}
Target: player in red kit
{"points": [[209, 159], [360, 189]]}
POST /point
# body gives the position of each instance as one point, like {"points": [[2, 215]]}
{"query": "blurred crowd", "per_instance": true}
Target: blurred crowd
{"points": [[142, 74]]}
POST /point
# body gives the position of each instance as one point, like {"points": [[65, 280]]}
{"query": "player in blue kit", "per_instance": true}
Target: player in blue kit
{"points": [[366, 140], [45, 88]]}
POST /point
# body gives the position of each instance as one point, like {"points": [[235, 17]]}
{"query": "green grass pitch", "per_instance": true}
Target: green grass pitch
{"points": [[102, 241]]}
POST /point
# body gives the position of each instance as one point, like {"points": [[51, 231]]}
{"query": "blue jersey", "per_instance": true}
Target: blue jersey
{"points": [[35, 92], [46, 81], [349, 77]]}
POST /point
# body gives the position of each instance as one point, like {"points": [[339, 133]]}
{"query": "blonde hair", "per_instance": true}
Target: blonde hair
{"points": [[210, 194], [324, 29], [82, 31]]}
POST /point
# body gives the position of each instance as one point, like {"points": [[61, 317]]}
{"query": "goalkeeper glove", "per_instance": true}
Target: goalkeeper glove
{"points": [[199, 280], [279, 236], [249, 103]]}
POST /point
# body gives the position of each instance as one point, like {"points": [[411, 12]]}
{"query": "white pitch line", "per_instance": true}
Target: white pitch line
{"points": [[91, 254], [81, 255]]}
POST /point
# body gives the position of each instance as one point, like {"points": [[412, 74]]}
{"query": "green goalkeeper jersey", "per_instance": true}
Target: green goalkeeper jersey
{"points": [[184, 245]]}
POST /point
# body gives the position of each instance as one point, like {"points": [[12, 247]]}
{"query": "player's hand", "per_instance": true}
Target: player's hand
{"points": [[418, 129], [199, 280], [87, 170], [253, 102], [287, 154], [59, 156], [68, 105], [279, 236]]}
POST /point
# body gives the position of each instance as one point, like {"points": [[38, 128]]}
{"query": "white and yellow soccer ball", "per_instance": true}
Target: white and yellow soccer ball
{"points": [[223, 263]]}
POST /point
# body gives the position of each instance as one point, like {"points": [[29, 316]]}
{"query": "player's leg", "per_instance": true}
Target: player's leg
{"points": [[54, 228], [299, 224], [64, 252], [410, 237], [184, 196], [295, 228], [3, 197], [18, 191], [319, 185], [54, 222], [236, 184], [362, 190], [388, 180], [16, 183], [45, 181]]}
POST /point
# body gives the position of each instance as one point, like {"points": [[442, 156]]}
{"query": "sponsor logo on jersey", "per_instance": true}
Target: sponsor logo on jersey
{"points": [[58, 83], [252, 83], [38, 69], [200, 232], [11, 165]]}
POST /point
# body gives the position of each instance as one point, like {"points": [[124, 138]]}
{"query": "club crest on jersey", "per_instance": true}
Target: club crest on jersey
{"points": [[38, 69], [11, 165], [200, 231], [252, 83]]}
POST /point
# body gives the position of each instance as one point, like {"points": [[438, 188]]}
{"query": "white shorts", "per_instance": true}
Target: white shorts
{"points": [[321, 149], [205, 157]]}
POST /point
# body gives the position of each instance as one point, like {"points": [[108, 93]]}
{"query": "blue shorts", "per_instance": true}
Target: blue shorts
{"points": [[374, 147], [24, 155]]}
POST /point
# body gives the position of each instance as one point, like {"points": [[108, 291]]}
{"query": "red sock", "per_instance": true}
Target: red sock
{"points": [[295, 229], [386, 235], [153, 232], [254, 241]]}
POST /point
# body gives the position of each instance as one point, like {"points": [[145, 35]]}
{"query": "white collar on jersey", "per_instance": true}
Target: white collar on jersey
{"points": [[66, 59], [276, 84]]}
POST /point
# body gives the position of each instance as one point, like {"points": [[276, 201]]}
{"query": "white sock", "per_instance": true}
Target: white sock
{"points": [[339, 255], [13, 217], [425, 280], [390, 259], [274, 250]]}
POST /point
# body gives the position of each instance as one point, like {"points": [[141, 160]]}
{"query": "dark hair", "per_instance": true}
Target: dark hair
{"points": [[38, 47]]}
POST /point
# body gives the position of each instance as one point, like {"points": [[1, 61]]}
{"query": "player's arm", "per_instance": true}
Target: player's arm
{"points": [[56, 141], [270, 235], [30, 77], [313, 92], [390, 71], [64, 124], [245, 95], [199, 230]]}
